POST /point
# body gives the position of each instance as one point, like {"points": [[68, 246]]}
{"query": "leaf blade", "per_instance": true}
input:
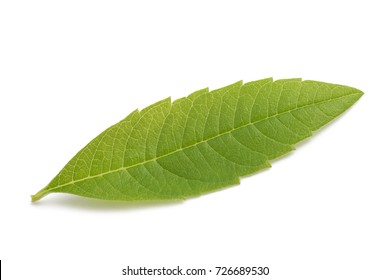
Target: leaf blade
{"points": [[200, 143]]}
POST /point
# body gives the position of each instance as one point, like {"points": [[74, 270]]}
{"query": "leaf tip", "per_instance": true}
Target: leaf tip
{"points": [[359, 93], [355, 95]]}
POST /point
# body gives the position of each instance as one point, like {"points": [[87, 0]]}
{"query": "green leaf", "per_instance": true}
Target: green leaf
{"points": [[202, 142]]}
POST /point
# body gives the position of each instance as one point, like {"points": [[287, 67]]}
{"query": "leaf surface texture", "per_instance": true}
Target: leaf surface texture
{"points": [[200, 143]]}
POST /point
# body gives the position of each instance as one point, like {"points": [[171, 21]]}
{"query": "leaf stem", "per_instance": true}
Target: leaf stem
{"points": [[39, 195]]}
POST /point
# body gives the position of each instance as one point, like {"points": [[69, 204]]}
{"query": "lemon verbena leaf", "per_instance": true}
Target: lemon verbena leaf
{"points": [[200, 143]]}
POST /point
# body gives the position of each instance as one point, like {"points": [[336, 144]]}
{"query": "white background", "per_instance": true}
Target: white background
{"points": [[69, 69]]}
